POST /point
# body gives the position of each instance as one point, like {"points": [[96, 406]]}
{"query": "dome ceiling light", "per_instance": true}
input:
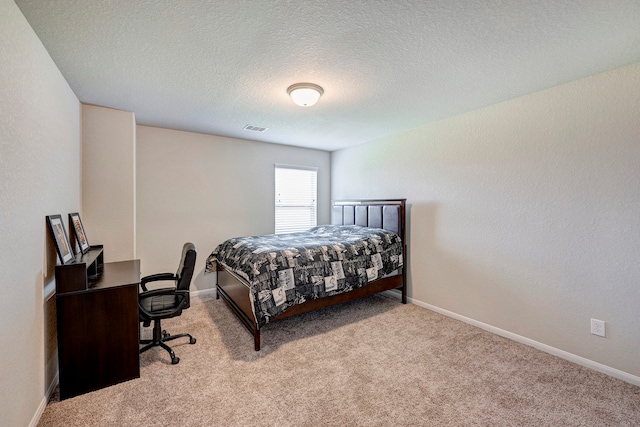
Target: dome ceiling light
{"points": [[305, 94]]}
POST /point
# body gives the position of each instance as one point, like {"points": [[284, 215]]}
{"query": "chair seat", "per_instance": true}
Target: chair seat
{"points": [[160, 302]]}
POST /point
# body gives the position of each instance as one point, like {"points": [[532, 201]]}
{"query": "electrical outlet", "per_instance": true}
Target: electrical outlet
{"points": [[598, 327]]}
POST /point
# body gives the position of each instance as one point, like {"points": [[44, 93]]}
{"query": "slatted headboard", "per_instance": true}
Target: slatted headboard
{"points": [[385, 214]]}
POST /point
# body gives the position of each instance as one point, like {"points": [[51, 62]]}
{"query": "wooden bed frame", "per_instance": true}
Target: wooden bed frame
{"points": [[386, 214]]}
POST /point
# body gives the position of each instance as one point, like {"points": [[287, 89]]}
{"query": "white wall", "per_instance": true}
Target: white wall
{"points": [[524, 215], [206, 189], [39, 176], [109, 180]]}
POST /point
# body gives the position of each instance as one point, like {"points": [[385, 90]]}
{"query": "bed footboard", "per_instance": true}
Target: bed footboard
{"points": [[236, 295]]}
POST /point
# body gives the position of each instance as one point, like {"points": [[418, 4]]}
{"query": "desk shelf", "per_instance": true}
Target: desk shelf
{"points": [[98, 326]]}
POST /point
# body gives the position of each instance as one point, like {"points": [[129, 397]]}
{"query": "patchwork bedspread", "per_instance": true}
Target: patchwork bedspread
{"points": [[286, 269]]}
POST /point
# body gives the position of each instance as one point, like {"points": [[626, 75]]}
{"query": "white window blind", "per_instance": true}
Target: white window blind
{"points": [[296, 198]]}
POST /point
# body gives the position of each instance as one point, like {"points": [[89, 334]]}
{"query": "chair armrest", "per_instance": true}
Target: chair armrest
{"points": [[156, 278], [156, 292]]}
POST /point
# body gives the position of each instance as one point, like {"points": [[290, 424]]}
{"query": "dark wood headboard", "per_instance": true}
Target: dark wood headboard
{"points": [[385, 214]]}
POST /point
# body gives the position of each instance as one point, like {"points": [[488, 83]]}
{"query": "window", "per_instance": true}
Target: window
{"points": [[296, 198]]}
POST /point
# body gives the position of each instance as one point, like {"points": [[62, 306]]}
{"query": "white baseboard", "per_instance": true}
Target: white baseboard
{"points": [[43, 403], [608, 370], [52, 386], [36, 417], [204, 294]]}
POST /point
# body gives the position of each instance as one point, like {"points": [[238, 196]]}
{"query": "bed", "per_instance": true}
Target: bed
{"points": [[263, 279]]}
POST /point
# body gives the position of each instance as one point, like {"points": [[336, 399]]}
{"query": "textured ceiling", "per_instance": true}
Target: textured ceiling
{"points": [[386, 66]]}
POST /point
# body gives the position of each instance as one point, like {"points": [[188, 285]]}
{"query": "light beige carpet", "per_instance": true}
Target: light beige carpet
{"points": [[372, 362]]}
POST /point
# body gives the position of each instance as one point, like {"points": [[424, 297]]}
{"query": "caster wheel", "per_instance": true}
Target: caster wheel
{"points": [[165, 334], [175, 360], [192, 341]]}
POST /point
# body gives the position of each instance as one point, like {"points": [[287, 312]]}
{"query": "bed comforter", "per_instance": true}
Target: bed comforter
{"points": [[281, 270]]}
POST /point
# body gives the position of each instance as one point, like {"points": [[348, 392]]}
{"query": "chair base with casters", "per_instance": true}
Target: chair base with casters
{"points": [[157, 304], [160, 337]]}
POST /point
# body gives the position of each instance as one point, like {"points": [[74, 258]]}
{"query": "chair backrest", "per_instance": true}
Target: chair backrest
{"points": [[186, 267]]}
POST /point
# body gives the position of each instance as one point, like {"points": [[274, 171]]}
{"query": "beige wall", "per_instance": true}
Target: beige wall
{"points": [[39, 176], [109, 180], [205, 189], [524, 215]]}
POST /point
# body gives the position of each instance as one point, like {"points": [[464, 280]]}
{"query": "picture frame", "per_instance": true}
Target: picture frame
{"points": [[60, 239], [78, 230]]}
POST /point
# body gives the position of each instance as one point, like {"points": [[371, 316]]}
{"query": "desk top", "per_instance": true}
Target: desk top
{"points": [[122, 273]]}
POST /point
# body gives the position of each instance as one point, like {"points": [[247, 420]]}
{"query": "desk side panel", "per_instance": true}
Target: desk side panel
{"points": [[98, 336]]}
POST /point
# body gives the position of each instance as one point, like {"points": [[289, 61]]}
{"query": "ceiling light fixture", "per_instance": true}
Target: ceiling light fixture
{"points": [[305, 94]]}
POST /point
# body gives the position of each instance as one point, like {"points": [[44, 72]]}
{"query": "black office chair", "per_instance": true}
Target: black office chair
{"points": [[158, 304]]}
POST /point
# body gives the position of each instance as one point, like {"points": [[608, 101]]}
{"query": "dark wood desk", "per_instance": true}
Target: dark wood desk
{"points": [[98, 326]]}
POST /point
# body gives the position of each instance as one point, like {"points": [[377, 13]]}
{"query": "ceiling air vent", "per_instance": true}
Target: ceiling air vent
{"points": [[254, 128]]}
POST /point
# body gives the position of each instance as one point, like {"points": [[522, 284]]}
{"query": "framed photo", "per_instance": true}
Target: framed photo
{"points": [[59, 236], [78, 231]]}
